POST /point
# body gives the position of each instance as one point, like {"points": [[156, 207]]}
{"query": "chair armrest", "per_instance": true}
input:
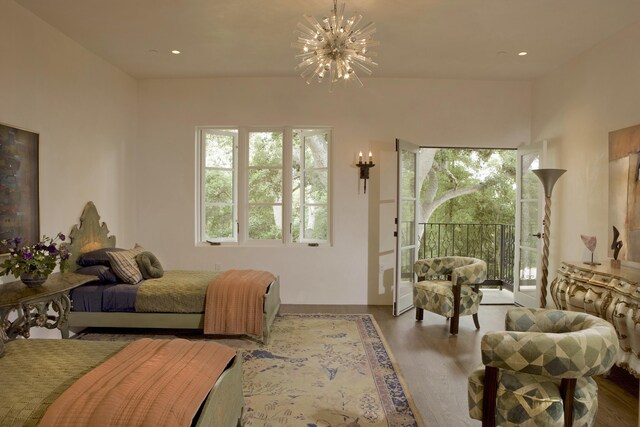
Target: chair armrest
{"points": [[586, 352], [469, 274], [465, 268]]}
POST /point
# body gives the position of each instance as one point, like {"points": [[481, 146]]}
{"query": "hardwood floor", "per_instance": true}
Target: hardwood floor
{"points": [[435, 365]]}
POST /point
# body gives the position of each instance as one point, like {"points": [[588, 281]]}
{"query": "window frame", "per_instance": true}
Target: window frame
{"points": [[241, 188], [201, 187], [304, 170]]}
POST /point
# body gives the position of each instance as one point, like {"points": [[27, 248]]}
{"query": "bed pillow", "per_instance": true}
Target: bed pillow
{"points": [[105, 274], [124, 264], [149, 265], [97, 257]]}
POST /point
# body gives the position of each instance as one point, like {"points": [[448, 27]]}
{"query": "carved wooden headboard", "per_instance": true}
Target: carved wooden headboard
{"points": [[88, 235]]}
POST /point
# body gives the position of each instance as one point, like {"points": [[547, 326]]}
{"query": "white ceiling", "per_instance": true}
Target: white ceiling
{"points": [[463, 39]]}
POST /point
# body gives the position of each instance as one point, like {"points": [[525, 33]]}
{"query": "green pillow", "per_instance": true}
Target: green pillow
{"points": [[149, 265]]}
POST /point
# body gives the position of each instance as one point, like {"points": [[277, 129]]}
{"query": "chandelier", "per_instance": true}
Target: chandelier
{"points": [[335, 47]]}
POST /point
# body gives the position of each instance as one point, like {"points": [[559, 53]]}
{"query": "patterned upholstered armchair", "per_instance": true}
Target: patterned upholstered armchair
{"points": [[538, 372], [449, 286]]}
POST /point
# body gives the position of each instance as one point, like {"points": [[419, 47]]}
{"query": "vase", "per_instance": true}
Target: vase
{"points": [[33, 280]]}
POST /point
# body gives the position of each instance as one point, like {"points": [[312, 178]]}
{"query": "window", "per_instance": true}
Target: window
{"points": [[264, 185], [220, 176]]}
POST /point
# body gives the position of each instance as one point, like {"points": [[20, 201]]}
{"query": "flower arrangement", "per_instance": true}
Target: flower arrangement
{"points": [[37, 260]]}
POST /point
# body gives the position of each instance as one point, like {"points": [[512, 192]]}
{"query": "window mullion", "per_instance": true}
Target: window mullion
{"points": [[287, 186], [243, 183]]}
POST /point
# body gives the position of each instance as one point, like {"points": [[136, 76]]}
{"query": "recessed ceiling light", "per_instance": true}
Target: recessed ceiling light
{"points": [[522, 53], [175, 52]]}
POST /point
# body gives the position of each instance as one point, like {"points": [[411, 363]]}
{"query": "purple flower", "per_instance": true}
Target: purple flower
{"points": [[27, 255], [17, 240], [52, 249], [62, 236]]}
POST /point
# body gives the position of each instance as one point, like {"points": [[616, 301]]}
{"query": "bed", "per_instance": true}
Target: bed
{"points": [[37, 372], [119, 305]]}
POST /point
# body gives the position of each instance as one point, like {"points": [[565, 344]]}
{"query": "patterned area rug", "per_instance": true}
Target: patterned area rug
{"points": [[320, 370]]}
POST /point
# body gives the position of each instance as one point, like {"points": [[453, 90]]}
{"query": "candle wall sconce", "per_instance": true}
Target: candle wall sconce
{"points": [[364, 168]]}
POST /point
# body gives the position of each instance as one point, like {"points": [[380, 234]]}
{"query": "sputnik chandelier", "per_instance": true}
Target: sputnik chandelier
{"points": [[334, 47]]}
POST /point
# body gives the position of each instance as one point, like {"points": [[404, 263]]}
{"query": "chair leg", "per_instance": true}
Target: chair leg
{"points": [[455, 320], [419, 314], [453, 328], [489, 396], [567, 390], [476, 321]]}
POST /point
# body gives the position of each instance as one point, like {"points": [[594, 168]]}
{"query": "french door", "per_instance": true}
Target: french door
{"points": [[407, 242], [527, 266]]}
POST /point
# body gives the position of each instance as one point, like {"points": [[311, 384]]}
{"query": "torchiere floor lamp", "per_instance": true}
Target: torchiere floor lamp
{"points": [[548, 177]]}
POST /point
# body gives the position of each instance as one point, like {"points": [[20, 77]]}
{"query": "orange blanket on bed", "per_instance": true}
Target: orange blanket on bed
{"points": [[235, 302], [148, 383]]}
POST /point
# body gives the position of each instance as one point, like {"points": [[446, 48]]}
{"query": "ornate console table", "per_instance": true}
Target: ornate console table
{"points": [[610, 293], [32, 305]]}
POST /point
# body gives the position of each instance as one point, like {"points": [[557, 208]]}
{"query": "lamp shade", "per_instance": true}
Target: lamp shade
{"points": [[548, 177]]}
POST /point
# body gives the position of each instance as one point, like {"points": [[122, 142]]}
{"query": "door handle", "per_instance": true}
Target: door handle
{"points": [[538, 235]]}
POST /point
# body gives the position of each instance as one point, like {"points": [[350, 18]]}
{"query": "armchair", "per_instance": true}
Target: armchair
{"points": [[449, 286], [538, 372]]}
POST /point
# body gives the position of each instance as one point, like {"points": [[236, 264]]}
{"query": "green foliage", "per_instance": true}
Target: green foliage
{"points": [[494, 171], [309, 198]]}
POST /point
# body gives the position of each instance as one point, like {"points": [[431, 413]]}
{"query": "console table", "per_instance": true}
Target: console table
{"points": [[33, 305], [610, 293]]}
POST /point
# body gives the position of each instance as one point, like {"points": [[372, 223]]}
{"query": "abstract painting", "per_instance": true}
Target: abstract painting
{"points": [[19, 201]]}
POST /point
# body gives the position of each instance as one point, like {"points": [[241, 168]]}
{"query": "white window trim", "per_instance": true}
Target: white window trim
{"points": [[241, 163], [200, 188]]}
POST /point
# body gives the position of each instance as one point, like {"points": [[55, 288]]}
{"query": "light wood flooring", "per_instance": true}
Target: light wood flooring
{"points": [[435, 365]]}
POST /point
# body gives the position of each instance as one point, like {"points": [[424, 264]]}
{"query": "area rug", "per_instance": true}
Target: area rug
{"points": [[319, 370]]}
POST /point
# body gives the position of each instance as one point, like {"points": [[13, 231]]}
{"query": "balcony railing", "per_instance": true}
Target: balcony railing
{"points": [[493, 243]]}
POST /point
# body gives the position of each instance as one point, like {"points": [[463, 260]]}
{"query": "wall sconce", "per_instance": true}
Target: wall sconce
{"points": [[364, 168]]}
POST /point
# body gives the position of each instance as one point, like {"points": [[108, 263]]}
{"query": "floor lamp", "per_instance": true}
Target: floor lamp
{"points": [[548, 177]]}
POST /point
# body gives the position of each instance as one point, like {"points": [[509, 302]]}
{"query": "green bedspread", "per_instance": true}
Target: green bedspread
{"points": [[175, 292], [35, 372]]}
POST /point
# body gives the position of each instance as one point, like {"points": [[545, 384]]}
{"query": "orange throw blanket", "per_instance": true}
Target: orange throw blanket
{"points": [[148, 383], [235, 301]]}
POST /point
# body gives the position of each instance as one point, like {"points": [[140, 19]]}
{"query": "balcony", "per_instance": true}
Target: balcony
{"points": [[493, 243]]}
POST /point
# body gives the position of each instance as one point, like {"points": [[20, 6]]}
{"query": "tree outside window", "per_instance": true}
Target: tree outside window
{"points": [[243, 182]]}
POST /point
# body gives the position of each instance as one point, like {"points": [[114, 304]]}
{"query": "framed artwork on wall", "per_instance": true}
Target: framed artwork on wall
{"points": [[624, 191], [19, 189]]}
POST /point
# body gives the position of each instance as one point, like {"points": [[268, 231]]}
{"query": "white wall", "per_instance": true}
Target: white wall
{"points": [[575, 108], [427, 112], [84, 110]]}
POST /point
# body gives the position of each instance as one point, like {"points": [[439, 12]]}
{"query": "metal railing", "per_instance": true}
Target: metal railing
{"points": [[493, 243]]}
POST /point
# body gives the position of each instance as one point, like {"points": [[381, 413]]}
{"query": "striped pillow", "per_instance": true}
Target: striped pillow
{"points": [[124, 264]]}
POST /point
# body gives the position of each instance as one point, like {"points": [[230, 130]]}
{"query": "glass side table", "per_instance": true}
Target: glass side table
{"points": [[45, 306]]}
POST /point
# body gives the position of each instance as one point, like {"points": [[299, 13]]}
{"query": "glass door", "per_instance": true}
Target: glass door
{"points": [[406, 225], [528, 225]]}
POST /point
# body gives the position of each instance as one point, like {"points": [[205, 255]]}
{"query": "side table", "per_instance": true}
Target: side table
{"points": [[33, 305]]}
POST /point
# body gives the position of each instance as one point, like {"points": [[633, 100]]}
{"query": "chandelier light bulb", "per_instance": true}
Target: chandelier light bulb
{"points": [[337, 46]]}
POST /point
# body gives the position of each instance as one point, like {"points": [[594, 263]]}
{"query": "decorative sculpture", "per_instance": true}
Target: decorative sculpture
{"points": [[590, 243], [616, 245]]}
